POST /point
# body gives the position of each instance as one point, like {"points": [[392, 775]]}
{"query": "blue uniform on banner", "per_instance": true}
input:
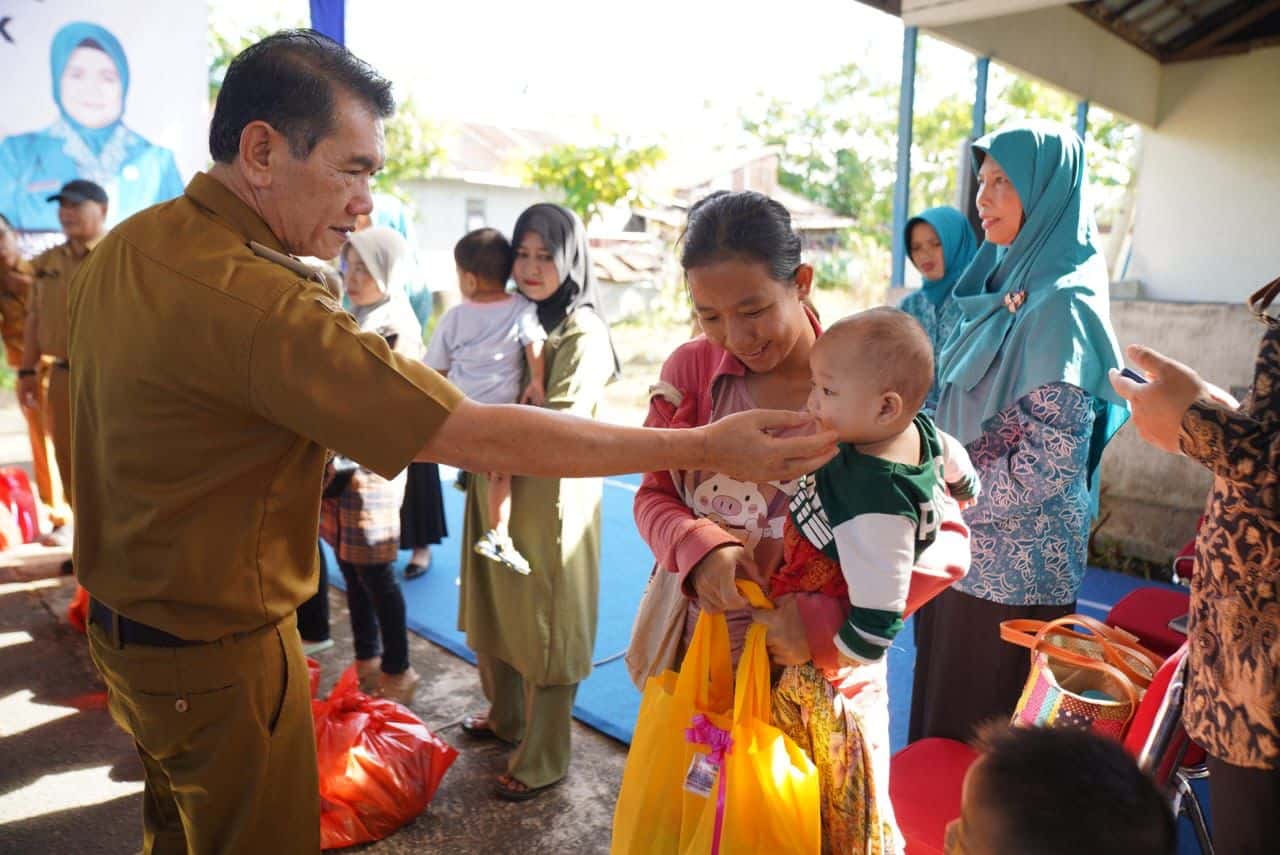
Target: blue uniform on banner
{"points": [[135, 172]]}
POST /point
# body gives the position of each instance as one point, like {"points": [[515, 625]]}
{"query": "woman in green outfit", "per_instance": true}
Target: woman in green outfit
{"points": [[533, 635]]}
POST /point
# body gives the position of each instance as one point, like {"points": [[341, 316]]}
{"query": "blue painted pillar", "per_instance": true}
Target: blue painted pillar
{"points": [[1082, 119], [330, 17], [902, 190], [980, 98]]}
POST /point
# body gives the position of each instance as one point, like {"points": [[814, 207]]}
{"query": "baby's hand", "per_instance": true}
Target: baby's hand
{"points": [[965, 504], [534, 394], [848, 677]]}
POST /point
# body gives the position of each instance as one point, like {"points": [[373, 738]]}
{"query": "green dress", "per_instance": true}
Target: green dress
{"points": [[544, 624]]}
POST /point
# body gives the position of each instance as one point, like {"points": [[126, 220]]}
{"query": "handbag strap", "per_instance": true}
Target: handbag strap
{"points": [[1262, 300], [1116, 644]]}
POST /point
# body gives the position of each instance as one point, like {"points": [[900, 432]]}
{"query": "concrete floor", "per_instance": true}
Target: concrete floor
{"points": [[70, 781]]}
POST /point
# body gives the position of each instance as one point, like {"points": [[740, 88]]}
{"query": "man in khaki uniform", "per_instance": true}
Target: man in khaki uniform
{"points": [[16, 276], [82, 211], [211, 375]]}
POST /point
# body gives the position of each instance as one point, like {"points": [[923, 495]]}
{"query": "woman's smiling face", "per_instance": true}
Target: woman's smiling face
{"points": [[535, 268], [90, 87], [753, 316]]}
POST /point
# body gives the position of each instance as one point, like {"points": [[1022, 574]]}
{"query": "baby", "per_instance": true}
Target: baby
{"points": [[858, 524], [483, 346]]}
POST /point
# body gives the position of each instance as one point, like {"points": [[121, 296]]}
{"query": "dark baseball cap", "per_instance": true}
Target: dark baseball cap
{"points": [[78, 191]]}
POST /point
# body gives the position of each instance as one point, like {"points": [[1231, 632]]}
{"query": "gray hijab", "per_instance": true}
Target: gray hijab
{"points": [[381, 249]]}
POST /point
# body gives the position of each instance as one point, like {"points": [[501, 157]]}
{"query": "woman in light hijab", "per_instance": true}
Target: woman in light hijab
{"points": [[1024, 386], [362, 522], [940, 244], [533, 635], [88, 140]]}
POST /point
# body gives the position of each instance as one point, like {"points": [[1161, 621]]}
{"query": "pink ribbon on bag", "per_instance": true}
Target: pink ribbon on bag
{"points": [[718, 740]]}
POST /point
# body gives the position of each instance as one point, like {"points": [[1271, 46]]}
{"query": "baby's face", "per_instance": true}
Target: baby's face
{"points": [[844, 400]]}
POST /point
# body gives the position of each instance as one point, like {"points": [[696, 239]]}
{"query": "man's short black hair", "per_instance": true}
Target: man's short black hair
{"points": [[486, 253], [287, 80], [1063, 791]]}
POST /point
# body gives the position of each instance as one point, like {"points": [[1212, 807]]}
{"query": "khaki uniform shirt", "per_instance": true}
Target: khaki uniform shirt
{"points": [[15, 288], [207, 384], [54, 269]]}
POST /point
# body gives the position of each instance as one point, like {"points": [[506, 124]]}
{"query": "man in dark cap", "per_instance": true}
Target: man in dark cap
{"points": [[82, 212]]}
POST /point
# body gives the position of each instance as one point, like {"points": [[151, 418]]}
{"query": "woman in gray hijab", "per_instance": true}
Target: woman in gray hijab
{"points": [[533, 635], [362, 522]]}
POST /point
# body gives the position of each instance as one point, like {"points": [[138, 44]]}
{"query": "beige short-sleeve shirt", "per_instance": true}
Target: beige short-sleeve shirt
{"points": [[207, 383]]}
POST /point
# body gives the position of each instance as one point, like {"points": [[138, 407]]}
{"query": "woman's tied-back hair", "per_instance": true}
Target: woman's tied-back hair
{"points": [[288, 80], [744, 225], [892, 345]]}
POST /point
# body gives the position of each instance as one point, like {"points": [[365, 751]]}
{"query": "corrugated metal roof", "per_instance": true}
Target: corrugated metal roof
{"points": [[1178, 30]]}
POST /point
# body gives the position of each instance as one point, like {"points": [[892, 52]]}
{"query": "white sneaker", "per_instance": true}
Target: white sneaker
{"points": [[311, 648], [497, 548]]}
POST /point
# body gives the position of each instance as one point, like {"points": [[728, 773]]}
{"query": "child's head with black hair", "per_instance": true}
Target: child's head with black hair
{"points": [[484, 258], [1046, 791]]}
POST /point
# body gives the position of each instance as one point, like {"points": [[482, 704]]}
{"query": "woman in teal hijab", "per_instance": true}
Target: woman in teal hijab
{"points": [[940, 244], [90, 75], [1024, 386]]}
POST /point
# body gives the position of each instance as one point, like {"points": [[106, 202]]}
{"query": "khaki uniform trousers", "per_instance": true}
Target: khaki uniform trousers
{"points": [[42, 457], [538, 718], [57, 418], [225, 734]]}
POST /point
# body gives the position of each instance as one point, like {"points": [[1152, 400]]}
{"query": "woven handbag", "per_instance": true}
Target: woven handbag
{"points": [[1091, 677]]}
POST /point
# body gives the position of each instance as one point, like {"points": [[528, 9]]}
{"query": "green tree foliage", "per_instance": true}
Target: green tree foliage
{"points": [[593, 177], [841, 151], [414, 149]]}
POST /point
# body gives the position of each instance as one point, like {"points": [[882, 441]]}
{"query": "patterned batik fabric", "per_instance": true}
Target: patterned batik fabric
{"points": [[1233, 674], [1030, 528], [805, 568], [848, 740]]}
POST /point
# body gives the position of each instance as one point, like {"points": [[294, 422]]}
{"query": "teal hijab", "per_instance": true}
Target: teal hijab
{"points": [[958, 248], [1062, 333], [85, 34]]}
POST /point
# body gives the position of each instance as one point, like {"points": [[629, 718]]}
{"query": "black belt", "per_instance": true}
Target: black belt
{"points": [[124, 631], [64, 364]]}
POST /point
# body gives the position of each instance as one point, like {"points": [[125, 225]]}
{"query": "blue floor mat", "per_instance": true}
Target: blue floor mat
{"points": [[606, 700]]}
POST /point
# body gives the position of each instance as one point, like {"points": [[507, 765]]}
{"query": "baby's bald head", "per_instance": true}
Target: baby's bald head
{"points": [[889, 346]]}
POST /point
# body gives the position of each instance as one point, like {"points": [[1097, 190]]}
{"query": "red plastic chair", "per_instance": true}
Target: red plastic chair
{"points": [[1148, 613], [926, 777], [925, 780]]}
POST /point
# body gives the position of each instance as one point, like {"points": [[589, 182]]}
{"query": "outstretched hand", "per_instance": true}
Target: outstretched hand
{"points": [[1159, 404], [745, 446]]}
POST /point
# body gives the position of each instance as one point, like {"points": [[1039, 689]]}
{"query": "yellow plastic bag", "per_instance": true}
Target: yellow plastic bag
{"points": [[763, 797]]}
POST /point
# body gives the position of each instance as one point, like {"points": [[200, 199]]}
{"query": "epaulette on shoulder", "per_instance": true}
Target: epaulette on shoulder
{"points": [[306, 271]]}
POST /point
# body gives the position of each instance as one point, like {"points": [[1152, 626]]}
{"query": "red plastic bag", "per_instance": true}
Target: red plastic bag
{"points": [[379, 765], [78, 611], [15, 494], [313, 671]]}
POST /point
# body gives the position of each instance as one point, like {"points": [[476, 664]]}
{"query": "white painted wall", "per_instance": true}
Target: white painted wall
{"points": [[440, 219], [1208, 217]]}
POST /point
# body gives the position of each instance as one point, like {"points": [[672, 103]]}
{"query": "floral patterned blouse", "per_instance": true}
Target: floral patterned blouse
{"points": [[1233, 672], [939, 322], [1030, 528]]}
